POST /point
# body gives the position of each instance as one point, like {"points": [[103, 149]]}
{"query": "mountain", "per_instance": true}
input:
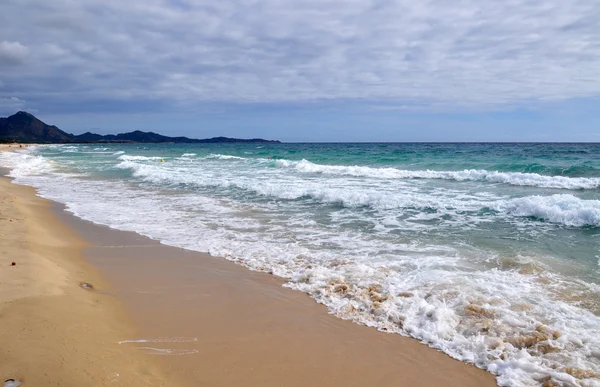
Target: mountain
{"points": [[25, 128], [136, 136]]}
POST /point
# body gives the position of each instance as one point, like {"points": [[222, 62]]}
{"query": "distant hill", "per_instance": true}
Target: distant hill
{"points": [[26, 128]]}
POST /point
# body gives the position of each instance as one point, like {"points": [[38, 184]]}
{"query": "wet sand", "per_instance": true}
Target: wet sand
{"points": [[214, 323]]}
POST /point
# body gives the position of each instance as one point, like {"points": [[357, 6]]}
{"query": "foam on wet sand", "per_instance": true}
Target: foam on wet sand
{"points": [[212, 322]]}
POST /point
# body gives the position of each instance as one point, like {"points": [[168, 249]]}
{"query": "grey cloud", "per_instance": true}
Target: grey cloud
{"points": [[12, 53], [9, 105], [434, 53]]}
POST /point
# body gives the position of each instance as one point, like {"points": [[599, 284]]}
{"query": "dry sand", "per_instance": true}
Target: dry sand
{"points": [[213, 322]]}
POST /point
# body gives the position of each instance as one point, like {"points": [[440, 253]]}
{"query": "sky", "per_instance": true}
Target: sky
{"points": [[307, 70]]}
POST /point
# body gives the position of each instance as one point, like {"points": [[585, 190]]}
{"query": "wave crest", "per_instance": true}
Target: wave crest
{"points": [[138, 158], [224, 157], [513, 178], [563, 209]]}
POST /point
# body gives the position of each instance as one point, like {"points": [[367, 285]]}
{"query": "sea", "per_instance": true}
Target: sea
{"points": [[487, 252]]}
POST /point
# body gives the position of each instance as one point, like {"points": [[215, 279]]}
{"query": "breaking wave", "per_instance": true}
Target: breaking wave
{"points": [[564, 209], [224, 157], [514, 178]]}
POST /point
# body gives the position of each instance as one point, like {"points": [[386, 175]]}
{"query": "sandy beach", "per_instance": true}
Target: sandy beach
{"points": [[10, 147], [54, 332], [159, 315]]}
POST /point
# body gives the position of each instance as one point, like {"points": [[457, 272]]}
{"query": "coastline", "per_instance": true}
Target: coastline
{"points": [[230, 326], [54, 332]]}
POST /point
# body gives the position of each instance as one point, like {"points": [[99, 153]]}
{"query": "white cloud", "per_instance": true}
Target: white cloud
{"points": [[471, 54], [12, 52]]}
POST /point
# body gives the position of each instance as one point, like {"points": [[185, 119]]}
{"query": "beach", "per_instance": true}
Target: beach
{"points": [[288, 193], [54, 331], [154, 315]]}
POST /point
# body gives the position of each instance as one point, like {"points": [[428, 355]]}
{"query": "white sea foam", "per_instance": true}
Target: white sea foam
{"points": [[188, 155], [224, 157], [138, 158], [68, 148], [25, 165], [161, 340], [508, 314], [564, 209], [168, 351], [513, 178]]}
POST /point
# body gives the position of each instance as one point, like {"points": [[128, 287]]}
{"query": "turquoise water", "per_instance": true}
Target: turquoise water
{"points": [[488, 252]]}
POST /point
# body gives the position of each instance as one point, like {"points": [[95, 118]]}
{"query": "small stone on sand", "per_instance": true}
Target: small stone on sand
{"points": [[86, 286]]}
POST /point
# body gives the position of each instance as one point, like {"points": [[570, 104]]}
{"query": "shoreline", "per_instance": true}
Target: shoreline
{"points": [[220, 316], [54, 331], [223, 324]]}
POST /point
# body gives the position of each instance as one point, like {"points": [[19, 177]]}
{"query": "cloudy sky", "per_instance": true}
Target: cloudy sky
{"points": [[307, 70]]}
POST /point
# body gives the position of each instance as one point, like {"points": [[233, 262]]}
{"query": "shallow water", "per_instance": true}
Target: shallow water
{"points": [[489, 252]]}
